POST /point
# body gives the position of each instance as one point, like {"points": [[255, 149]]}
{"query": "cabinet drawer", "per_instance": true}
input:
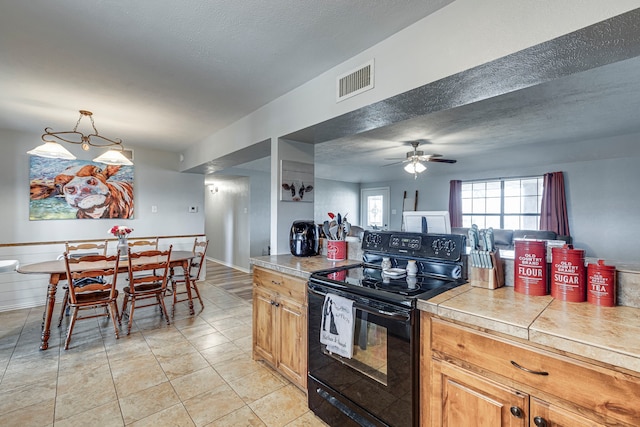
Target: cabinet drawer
{"points": [[285, 285], [601, 390]]}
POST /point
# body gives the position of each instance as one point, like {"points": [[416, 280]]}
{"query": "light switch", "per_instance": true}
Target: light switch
{"points": [[393, 211], [154, 209]]}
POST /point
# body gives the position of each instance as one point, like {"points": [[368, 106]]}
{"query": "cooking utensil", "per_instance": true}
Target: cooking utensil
{"points": [[333, 232], [325, 229], [347, 228]]}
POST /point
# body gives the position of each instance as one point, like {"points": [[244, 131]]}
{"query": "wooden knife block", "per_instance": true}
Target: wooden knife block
{"points": [[488, 278]]}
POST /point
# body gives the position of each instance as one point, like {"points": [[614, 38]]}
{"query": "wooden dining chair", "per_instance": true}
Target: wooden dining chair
{"points": [[87, 293], [76, 251], [200, 250], [143, 244], [148, 273]]}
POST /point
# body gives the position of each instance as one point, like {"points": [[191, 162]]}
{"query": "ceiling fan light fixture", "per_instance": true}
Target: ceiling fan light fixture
{"points": [[415, 167], [52, 150], [113, 157]]}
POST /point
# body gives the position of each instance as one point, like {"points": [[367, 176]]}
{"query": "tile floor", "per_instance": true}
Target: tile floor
{"points": [[197, 371]]}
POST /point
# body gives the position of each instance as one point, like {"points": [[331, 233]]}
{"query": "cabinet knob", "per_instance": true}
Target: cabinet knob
{"points": [[516, 412], [277, 304], [540, 422]]}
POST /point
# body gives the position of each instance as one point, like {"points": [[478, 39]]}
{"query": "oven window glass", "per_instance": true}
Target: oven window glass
{"points": [[369, 349]]}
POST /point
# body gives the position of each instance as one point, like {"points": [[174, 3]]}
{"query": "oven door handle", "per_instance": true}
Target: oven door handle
{"points": [[366, 309]]}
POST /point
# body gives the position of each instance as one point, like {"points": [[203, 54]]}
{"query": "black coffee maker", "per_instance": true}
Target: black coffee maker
{"points": [[303, 239]]}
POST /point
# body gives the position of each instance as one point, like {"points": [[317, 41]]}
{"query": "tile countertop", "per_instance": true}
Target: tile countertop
{"points": [[608, 334], [298, 266]]}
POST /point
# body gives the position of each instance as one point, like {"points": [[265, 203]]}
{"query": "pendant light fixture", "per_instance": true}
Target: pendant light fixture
{"points": [[415, 167], [53, 150]]}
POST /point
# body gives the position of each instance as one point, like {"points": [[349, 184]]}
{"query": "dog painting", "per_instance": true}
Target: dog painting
{"points": [[77, 189], [296, 184]]}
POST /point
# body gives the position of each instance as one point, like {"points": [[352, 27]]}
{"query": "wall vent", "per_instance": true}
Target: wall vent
{"points": [[354, 82]]}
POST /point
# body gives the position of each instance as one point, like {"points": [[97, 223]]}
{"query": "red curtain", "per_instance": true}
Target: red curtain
{"points": [[553, 209], [455, 203]]}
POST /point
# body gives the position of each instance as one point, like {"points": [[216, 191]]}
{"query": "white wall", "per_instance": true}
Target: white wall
{"points": [[227, 225], [336, 196], [238, 189]]}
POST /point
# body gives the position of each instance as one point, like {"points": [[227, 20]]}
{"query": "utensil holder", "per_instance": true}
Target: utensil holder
{"points": [[488, 278], [336, 250]]}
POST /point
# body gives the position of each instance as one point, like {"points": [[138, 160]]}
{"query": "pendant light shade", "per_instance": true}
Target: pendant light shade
{"points": [[113, 157], [52, 150], [415, 167]]}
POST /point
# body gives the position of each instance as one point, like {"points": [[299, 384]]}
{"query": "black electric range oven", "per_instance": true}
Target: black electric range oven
{"points": [[379, 384]]}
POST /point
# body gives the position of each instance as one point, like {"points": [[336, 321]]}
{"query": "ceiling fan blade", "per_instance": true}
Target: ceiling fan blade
{"points": [[394, 163], [438, 160]]}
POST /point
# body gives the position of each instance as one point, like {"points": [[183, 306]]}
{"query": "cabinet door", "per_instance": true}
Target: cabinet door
{"points": [[544, 414], [264, 331], [462, 398], [292, 342]]}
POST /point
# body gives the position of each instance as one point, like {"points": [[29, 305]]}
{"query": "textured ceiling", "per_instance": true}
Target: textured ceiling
{"points": [[167, 74]]}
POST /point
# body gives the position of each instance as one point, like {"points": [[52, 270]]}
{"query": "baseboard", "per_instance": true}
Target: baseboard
{"points": [[226, 264]]}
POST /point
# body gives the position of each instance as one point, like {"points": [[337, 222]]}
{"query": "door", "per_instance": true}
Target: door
{"points": [[292, 346], [374, 209], [264, 338], [462, 398]]}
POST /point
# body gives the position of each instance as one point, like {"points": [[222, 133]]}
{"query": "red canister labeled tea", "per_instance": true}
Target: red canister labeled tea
{"points": [[601, 284], [530, 267], [568, 274]]}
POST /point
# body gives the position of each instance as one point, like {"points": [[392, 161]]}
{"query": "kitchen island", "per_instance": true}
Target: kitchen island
{"points": [[542, 361]]}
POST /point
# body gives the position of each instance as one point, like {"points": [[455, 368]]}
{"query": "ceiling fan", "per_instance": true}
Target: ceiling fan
{"points": [[415, 158]]}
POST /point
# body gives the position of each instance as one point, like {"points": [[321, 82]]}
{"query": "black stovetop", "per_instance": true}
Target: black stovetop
{"points": [[438, 270], [374, 283]]}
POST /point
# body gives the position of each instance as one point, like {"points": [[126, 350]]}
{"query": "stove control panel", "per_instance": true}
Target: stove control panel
{"points": [[449, 247], [405, 242]]}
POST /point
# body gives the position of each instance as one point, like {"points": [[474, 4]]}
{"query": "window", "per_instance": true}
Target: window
{"points": [[512, 204], [375, 208]]}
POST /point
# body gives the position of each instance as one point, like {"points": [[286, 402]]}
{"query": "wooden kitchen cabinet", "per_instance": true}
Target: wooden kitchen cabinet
{"points": [[280, 323], [468, 399], [475, 378]]}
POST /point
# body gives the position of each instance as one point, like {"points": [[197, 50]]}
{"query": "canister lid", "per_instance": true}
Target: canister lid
{"points": [[567, 250], [601, 266]]}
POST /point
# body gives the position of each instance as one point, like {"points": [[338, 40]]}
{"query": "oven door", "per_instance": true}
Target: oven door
{"points": [[378, 385]]}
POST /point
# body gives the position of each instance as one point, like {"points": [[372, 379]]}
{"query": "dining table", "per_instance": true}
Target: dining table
{"points": [[56, 270]]}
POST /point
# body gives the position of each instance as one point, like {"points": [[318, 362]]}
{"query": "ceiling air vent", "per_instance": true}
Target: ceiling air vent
{"points": [[355, 82]]}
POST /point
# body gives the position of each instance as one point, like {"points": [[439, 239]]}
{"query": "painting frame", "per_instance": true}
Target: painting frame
{"points": [[100, 191], [296, 181]]}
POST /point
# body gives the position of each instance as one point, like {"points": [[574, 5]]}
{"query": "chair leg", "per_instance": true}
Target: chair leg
{"points": [[131, 310], [163, 307], [74, 316], [124, 306], [175, 298], [113, 313], [65, 301], [195, 288]]}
